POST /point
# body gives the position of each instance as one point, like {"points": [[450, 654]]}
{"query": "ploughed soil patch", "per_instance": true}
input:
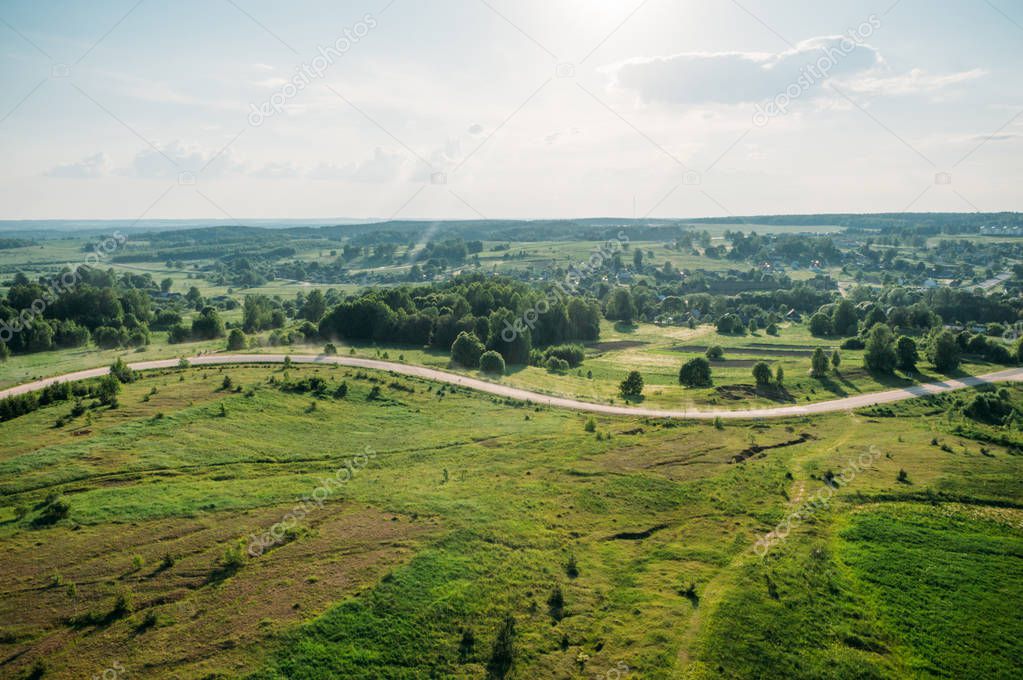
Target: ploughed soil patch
{"points": [[734, 363], [754, 351], [744, 392], [180, 622], [756, 448], [612, 345]]}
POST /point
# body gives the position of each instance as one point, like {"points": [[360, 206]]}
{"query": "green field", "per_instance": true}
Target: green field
{"points": [[467, 510]]}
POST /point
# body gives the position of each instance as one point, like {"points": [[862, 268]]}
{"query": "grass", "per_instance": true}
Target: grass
{"points": [[469, 511]]}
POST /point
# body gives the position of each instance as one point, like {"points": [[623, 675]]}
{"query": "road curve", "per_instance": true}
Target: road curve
{"points": [[844, 404]]}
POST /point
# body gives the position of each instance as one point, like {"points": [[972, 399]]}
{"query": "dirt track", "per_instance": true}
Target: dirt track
{"points": [[501, 390]]}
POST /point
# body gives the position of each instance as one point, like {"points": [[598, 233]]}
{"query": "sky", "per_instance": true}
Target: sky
{"points": [[462, 109]]}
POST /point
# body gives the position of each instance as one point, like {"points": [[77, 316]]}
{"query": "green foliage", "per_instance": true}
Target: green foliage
{"points": [[762, 374], [843, 319], [695, 373], [235, 340], [492, 362], [818, 363], [943, 351], [879, 353], [905, 349], [820, 325], [715, 352], [467, 350], [632, 386]]}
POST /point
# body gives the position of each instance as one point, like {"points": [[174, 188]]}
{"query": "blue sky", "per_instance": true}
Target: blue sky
{"points": [[502, 109]]}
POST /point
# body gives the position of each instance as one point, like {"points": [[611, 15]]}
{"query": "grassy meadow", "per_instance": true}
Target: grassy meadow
{"points": [[618, 544]]}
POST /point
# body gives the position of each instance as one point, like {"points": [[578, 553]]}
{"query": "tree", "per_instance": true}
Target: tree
{"points": [[207, 325], [905, 348], [315, 306], [637, 259], [235, 340], [836, 360], [632, 386], [503, 653], [843, 318], [715, 352], [166, 285], [122, 372], [944, 351], [818, 363], [695, 373], [492, 362], [762, 374], [730, 323], [879, 350], [620, 306], [779, 376], [820, 325], [467, 350]]}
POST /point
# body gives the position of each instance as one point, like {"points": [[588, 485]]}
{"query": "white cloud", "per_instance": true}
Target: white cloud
{"points": [[169, 160], [95, 165], [383, 167], [699, 78], [917, 81]]}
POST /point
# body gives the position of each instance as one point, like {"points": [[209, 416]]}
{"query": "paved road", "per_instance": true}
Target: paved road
{"points": [[501, 390]]}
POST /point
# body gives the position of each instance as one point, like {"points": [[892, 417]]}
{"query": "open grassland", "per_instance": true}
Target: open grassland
{"points": [[126, 537]]}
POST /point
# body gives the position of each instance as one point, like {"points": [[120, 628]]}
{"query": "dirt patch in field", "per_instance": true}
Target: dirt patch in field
{"points": [[201, 624], [755, 449], [744, 392], [612, 345], [636, 535], [735, 363]]}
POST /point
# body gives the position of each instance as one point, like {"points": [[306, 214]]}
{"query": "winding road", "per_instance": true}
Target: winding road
{"points": [[844, 404]]}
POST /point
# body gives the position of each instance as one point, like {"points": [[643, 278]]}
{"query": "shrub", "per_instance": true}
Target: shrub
{"points": [[467, 350], [762, 374], [818, 363], [235, 340], [555, 364], [695, 373], [573, 354], [632, 386], [852, 343], [330, 348], [715, 352], [503, 653], [820, 324], [591, 425], [492, 362]]}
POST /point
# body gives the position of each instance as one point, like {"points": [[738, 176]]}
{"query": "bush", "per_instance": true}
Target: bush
{"points": [[695, 373], [235, 340], [762, 374], [591, 425], [467, 350], [120, 370], [573, 354], [632, 386], [492, 362], [556, 365], [330, 348], [820, 324], [853, 343], [715, 352]]}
